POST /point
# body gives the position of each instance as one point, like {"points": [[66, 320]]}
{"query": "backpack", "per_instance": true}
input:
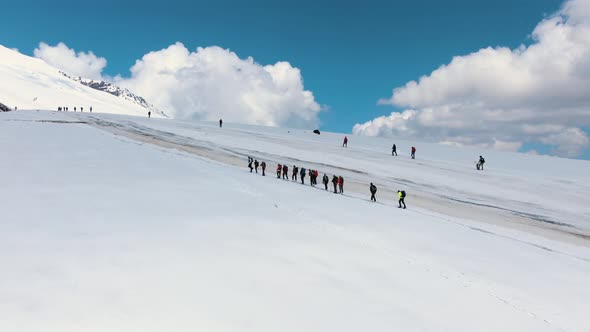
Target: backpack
{"points": [[403, 194]]}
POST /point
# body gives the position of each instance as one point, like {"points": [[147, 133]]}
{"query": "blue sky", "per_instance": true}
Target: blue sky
{"points": [[350, 55]]}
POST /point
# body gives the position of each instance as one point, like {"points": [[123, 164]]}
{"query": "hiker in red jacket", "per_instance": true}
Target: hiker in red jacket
{"points": [[413, 152], [345, 143], [279, 169], [341, 184]]}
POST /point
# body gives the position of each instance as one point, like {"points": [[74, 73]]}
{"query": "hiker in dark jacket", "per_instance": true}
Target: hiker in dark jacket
{"points": [[250, 161], [310, 172], [256, 164], [294, 174], [394, 150], [302, 175], [401, 195], [479, 165], [285, 172], [335, 183], [263, 164], [326, 180], [373, 190]]}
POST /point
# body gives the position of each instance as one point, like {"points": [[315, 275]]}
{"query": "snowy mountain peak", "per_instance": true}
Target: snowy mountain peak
{"points": [[4, 108], [115, 91]]}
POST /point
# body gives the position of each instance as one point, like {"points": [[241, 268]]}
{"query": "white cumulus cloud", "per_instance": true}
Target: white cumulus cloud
{"points": [[502, 98], [81, 64], [212, 83]]}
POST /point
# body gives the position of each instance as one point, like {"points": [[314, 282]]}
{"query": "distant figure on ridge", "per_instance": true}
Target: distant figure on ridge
{"points": [[220, 123], [149, 113], [373, 190], [413, 153], [394, 150], [90, 109], [81, 109], [345, 143], [480, 163]]}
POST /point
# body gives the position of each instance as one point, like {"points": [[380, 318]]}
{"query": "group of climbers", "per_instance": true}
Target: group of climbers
{"points": [[66, 109], [253, 164], [299, 174]]}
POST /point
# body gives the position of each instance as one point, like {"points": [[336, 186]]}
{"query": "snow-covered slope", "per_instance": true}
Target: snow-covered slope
{"points": [[30, 83], [537, 191], [118, 223]]}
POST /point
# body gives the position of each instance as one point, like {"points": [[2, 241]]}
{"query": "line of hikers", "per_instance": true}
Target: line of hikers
{"points": [[66, 109], [300, 174]]}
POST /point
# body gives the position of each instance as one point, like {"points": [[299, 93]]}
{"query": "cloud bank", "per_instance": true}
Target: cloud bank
{"points": [[81, 64], [207, 84], [503, 98]]}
